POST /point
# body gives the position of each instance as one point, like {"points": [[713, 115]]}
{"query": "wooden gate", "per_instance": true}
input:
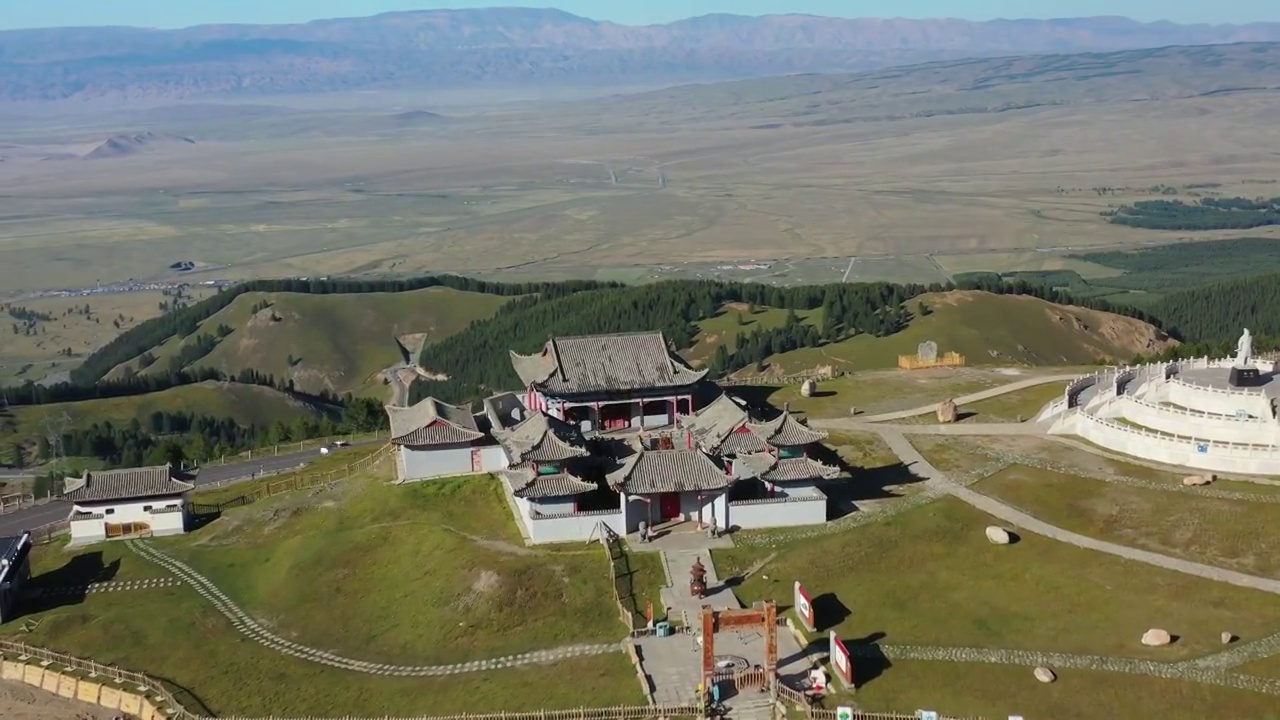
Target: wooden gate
{"points": [[128, 529]]}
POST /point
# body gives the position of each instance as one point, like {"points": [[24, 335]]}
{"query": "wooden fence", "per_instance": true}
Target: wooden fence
{"points": [[622, 712], [299, 481], [624, 593], [91, 669], [289, 447]]}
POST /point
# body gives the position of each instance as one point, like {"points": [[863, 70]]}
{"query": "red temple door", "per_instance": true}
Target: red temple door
{"points": [[669, 505]]}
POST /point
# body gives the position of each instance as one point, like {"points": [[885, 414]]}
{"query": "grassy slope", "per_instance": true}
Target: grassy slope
{"points": [[404, 583], [399, 586], [988, 329], [1234, 534], [723, 329], [339, 341], [247, 404]]}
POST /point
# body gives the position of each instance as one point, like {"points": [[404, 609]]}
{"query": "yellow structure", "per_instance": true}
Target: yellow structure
{"points": [[915, 362]]}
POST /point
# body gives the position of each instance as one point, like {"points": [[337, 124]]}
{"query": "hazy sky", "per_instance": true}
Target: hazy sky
{"points": [[179, 13]]}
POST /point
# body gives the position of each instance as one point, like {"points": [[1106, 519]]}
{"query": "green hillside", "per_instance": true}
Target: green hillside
{"points": [[739, 319], [989, 329], [246, 404], [336, 342]]}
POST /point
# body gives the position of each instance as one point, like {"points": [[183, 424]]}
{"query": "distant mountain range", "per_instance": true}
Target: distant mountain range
{"points": [[509, 45]]}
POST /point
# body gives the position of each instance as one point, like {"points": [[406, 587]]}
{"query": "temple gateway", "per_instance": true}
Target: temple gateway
{"points": [[607, 429]]}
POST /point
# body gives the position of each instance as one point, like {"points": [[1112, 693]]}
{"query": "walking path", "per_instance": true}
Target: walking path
{"points": [[107, 586], [908, 454], [246, 626]]}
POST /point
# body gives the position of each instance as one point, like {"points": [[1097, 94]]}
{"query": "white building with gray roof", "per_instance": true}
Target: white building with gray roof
{"points": [[131, 502], [433, 439]]}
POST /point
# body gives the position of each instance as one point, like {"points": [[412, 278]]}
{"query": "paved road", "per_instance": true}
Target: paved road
{"points": [[14, 523]]}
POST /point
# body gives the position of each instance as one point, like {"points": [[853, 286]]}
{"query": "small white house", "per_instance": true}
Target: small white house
{"points": [[433, 439], [132, 502]]}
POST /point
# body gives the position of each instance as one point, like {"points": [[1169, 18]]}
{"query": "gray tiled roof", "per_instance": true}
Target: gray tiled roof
{"points": [[604, 363], [658, 471], [767, 467], [717, 421], [526, 483], [431, 422], [541, 438], [786, 430], [125, 484]]}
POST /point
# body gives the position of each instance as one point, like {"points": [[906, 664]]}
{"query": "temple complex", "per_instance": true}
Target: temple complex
{"points": [[605, 430]]}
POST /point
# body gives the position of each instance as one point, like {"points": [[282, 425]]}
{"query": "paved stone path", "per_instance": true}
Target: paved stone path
{"points": [[252, 630], [1175, 671], [108, 586]]}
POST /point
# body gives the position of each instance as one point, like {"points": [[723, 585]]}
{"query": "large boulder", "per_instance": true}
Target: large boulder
{"points": [[808, 387], [998, 535], [947, 411], [1155, 637], [1228, 637], [1045, 675], [1197, 480]]}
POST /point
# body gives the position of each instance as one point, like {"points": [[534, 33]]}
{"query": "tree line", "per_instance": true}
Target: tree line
{"points": [[1215, 314], [477, 361], [1206, 214]]}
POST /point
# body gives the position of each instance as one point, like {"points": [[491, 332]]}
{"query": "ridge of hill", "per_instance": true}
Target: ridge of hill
{"points": [[334, 342], [969, 86], [986, 328], [246, 404], [453, 47]]}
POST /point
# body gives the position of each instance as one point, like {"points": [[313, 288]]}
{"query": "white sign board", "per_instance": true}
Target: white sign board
{"points": [[928, 715], [846, 713]]}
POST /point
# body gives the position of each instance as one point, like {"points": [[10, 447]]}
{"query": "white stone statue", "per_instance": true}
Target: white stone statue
{"points": [[1244, 350]]}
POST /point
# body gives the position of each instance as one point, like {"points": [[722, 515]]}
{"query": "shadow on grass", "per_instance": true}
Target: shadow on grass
{"points": [[828, 612], [68, 585], [877, 483]]}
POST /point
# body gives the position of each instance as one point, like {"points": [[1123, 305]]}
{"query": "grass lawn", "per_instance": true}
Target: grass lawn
{"points": [[1017, 406], [928, 576], [1031, 331], [172, 634], [246, 404], [56, 565], [877, 391], [1235, 534], [997, 691], [735, 318], [417, 574]]}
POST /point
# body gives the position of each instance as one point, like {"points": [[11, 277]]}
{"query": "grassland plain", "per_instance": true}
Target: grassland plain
{"points": [[599, 190], [33, 357], [476, 594], [1030, 331], [1035, 595], [336, 342], [246, 404], [1235, 534], [996, 691]]}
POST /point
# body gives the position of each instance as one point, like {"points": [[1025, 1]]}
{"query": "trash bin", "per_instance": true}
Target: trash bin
{"points": [[662, 629]]}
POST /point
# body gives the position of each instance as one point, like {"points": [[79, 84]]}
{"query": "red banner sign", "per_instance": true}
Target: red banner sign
{"points": [[804, 608]]}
